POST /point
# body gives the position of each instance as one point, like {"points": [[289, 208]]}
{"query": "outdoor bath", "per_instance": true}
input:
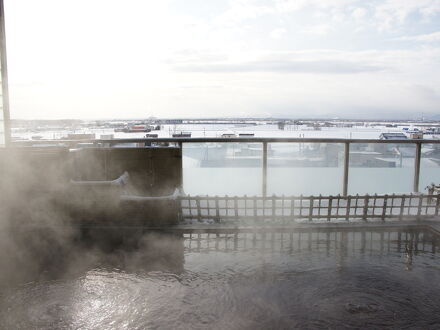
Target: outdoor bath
{"points": [[340, 278]]}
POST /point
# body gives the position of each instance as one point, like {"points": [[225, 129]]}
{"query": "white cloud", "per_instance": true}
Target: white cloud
{"points": [[115, 59], [359, 14], [393, 13], [278, 33], [241, 10], [430, 37], [318, 30], [295, 5], [415, 63], [339, 82]]}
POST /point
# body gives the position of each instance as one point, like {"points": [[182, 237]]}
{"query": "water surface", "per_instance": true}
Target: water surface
{"points": [[335, 279]]}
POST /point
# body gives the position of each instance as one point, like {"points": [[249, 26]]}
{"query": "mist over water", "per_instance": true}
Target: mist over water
{"points": [[368, 279]]}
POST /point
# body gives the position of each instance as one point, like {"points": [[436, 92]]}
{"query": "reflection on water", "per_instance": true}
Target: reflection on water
{"points": [[237, 280]]}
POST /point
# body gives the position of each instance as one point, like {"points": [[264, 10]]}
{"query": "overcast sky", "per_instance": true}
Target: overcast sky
{"points": [[216, 58]]}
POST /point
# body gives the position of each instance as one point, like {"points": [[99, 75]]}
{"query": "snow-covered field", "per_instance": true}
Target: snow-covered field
{"points": [[217, 130]]}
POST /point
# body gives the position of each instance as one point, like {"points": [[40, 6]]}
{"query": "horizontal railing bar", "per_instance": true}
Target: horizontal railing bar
{"points": [[305, 217], [304, 213], [288, 198], [299, 228], [226, 140]]}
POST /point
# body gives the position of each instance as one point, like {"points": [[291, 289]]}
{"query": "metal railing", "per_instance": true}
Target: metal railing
{"points": [[264, 141], [309, 208]]}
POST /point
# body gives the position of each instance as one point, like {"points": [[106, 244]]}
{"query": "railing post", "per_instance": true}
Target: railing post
{"points": [[264, 169], [346, 165], [329, 208], [180, 144], [366, 202], [417, 166]]}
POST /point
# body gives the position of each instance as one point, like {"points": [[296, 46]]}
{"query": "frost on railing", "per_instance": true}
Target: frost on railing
{"points": [[284, 210]]}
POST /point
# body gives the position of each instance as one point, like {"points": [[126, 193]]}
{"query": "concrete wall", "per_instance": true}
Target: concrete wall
{"points": [[35, 183], [153, 171]]}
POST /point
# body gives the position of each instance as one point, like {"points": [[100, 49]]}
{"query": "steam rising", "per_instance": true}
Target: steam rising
{"points": [[50, 228]]}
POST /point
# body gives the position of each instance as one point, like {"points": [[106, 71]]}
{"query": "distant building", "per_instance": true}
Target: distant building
{"points": [[172, 121], [393, 136], [370, 159], [433, 130], [416, 135], [80, 136], [388, 148], [182, 135]]}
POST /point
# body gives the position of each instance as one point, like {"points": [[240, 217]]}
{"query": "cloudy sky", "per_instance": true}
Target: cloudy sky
{"points": [[217, 58]]}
